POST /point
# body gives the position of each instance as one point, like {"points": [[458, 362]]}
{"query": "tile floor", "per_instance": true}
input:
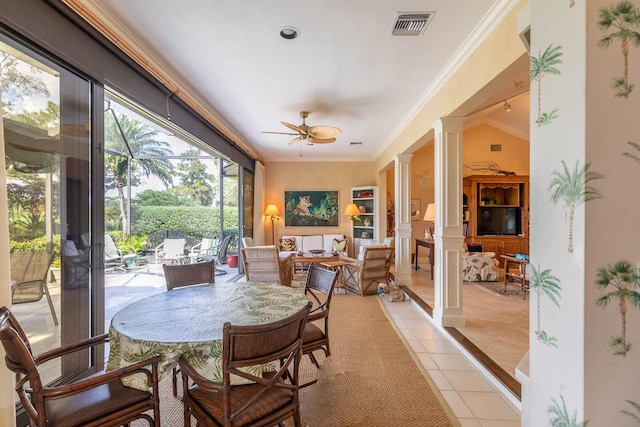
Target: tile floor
{"points": [[474, 396]]}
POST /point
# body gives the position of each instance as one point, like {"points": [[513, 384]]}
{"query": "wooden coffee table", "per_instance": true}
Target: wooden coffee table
{"points": [[311, 258], [337, 265]]}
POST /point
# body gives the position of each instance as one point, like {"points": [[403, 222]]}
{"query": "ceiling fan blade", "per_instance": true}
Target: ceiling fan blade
{"points": [[324, 132], [281, 133], [293, 127], [321, 140], [293, 141]]}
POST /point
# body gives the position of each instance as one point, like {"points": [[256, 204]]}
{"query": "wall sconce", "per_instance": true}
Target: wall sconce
{"points": [[273, 212], [352, 211]]}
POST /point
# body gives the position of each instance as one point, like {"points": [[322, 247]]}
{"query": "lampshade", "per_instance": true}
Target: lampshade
{"points": [[430, 214], [271, 210], [352, 210]]}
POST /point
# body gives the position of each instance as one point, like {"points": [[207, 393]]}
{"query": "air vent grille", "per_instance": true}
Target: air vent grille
{"points": [[411, 24]]}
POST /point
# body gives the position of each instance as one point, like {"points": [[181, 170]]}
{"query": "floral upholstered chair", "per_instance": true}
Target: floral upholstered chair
{"points": [[480, 267]]}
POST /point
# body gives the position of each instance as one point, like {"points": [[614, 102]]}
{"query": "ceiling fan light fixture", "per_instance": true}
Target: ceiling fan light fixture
{"points": [[289, 33]]}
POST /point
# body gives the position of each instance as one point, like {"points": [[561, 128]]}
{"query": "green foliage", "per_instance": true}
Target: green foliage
{"points": [[129, 244], [560, 415], [571, 186], [16, 85], [619, 346], [37, 244], [170, 197], [621, 87], [193, 222], [195, 179]]}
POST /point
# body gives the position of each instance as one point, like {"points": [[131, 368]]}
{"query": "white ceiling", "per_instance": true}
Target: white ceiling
{"points": [[346, 68]]}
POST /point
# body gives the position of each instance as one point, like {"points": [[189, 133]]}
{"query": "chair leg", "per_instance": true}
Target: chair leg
{"points": [[174, 381], [53, 310], [313, 360]]}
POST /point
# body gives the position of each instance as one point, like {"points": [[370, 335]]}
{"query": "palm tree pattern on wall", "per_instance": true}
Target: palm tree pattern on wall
{"points": [[571, 187], [545, 283], [624, 279], [636, 406], [541, 65], [631, 155], [560, 415], [624, 19]]}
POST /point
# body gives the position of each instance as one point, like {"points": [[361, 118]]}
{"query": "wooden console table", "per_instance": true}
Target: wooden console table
{"points": [[427, 244], [515, 273]]}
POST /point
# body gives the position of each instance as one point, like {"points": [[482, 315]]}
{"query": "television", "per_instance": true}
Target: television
{"points": [[498, 220]]}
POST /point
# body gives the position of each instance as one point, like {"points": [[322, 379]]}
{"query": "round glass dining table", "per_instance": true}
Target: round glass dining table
{"points": [[188, 321]]}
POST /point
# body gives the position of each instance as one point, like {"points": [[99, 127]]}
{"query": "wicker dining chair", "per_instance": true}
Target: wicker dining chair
{"points": [[176, 276], [267, 399], [319, 289], [98, 400], [263, 264]]}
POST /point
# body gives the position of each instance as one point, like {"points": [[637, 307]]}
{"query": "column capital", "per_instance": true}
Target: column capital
{"points": [[448, 122]]}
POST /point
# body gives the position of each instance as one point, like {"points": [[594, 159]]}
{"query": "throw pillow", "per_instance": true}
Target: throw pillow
{"points": [[339, 246], [288, 245]]}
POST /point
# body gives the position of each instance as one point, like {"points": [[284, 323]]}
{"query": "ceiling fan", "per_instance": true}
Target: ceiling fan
{"points": [[313, 134]]}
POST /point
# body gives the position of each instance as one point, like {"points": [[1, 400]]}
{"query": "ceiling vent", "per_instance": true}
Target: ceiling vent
{"points": [[411, 24]]}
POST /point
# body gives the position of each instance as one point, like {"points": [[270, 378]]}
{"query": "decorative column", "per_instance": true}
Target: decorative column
{"points": [[448, 236], [403, 218]]}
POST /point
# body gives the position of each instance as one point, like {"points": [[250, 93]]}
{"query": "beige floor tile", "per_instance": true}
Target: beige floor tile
{"points": [[490, 406], [439, 346], [499, 423], [469, 422], [427, 361], [439, 379], [453, 362], [457, 405], [468, 381]]}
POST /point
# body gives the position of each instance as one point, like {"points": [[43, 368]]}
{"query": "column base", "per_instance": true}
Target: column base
{"points": [[450, 320]]}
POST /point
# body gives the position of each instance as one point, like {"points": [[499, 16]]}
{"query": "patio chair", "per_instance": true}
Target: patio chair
{"points": [[29, 278], [363, 276], [319, 289], [202, 248], [99, 399], [113, 258], [267, 400], [170, 251], [264, 264]]}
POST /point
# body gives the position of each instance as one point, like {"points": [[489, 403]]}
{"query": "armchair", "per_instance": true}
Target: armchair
{"points": [[170, 251], [480, 267], [363, 276], [264, 264]]}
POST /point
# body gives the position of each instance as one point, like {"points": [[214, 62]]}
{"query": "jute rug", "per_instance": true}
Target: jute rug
{"points": [[370, 379]]}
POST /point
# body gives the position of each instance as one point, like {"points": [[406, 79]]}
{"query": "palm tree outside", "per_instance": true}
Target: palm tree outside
{"points": [[624, 18], [624, 279], [141, 154], [571, 187], [545, 63]]}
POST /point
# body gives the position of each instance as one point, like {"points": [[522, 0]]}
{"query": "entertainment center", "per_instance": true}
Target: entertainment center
{"points": [[497, 208]]}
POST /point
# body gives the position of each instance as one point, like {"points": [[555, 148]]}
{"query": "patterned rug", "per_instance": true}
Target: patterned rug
{"points": [[497, 289], [371, 379]]}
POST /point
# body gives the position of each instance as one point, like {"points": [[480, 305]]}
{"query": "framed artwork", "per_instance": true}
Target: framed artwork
{"points": [[311, 208], [415, 209]]}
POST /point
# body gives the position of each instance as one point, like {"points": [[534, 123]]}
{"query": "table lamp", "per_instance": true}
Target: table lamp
{"points": [[352, 211], [273, 212], [429, 215]]}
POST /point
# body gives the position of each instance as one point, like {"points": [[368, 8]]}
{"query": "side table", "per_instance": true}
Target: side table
{"points": [[337, 265]]}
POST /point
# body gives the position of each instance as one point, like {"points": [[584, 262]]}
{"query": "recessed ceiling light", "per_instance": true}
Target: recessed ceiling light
{"points": [[289, 33]]}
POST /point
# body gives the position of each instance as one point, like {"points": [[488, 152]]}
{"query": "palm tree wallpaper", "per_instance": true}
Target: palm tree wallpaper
{"points": [[624, 279], [541, 65], [560, 415], [571, 188], [636, 415], [545, 283], [624, 21]]}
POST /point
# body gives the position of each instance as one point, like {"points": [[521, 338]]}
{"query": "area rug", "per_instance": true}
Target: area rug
{"points": [[497, 289], [370, 379]]}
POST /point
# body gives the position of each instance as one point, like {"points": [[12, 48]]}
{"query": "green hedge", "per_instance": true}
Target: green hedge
{"points": [[191, 222]]}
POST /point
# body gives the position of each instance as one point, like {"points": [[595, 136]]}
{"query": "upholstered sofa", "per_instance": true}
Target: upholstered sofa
{"points": [[480, 267], [306, 243]]}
